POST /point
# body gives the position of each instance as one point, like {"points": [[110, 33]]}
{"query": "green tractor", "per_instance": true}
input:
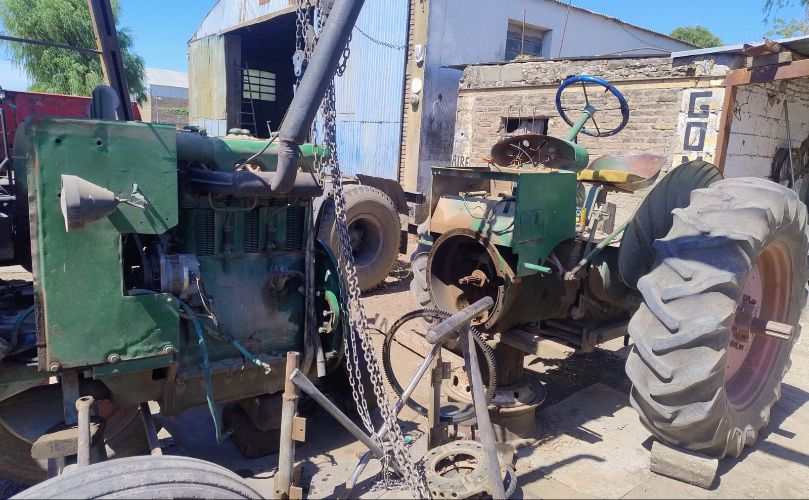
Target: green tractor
{"points": [[708, 276]]}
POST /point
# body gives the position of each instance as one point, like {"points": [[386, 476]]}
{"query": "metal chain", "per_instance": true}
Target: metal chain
{"points": [[358, 329], [380, 42]]}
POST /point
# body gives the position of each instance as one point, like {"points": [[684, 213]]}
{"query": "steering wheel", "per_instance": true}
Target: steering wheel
{"points": [[608, 87]]}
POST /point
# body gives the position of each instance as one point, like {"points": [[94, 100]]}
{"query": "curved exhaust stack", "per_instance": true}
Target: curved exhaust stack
{"points": [[319, 73]]}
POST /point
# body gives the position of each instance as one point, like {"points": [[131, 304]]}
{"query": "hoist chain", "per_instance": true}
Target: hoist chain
{"points": [[359, 339]]}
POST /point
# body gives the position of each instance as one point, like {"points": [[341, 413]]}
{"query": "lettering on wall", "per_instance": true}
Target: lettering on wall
{"points": [[698, 125]]}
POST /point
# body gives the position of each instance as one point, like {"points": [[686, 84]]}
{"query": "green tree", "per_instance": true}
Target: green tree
{"points": [[787, 28], [696, 35], [60, 70]]}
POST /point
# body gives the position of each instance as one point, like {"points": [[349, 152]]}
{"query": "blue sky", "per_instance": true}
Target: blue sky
{"points": [[162, 27]]}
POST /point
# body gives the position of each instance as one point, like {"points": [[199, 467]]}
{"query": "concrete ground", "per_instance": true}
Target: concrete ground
{"points": [[591, 442]]}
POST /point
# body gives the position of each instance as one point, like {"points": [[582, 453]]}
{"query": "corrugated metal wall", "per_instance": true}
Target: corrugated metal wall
{"points": [[207, 98], [369, 95]]}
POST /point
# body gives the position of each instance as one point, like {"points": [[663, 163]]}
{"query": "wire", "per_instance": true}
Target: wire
{"points": [[562, 43], [380, 42], [206, 367]]}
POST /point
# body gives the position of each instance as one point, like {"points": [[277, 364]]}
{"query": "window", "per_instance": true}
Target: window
{"points": [[525, 125], [531, 44], [258, 85]]}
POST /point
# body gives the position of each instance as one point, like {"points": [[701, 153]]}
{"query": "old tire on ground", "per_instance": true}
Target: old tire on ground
{"points": [[26, 416], [145, 477], [418, 265], [374, 227], [700, 379]]}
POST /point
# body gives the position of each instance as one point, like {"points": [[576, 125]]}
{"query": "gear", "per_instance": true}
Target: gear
{"points": [[429, 315]]}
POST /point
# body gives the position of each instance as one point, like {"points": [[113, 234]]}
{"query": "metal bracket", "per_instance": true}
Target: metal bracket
{"points": [[299, 429]]}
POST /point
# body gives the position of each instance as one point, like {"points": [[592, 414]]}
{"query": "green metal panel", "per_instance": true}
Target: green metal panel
{"points": [[78, 276], [543, 215]]}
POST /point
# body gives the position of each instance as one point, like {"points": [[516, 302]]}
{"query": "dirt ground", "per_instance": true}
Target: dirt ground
{"points": [[591, 444]]}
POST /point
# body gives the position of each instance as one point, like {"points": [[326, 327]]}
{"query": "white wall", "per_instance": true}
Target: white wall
{"points": [[474, 31], [759, 127]]}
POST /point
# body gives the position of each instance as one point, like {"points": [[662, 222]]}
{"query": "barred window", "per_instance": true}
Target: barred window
{"points": [[258, 85]]}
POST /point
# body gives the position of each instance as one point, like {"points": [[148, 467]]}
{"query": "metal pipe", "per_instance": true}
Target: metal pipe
{"points": [[6, 159], [151, 434], [304, 384], [485, 429], [789, 146], [442, 331], [286, 450], [319, 75], [83, 405], [601, 246], [245, 184], [49, 44]]}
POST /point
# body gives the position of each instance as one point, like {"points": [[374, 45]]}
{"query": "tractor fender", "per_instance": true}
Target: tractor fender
{"points": [[653, 218]]}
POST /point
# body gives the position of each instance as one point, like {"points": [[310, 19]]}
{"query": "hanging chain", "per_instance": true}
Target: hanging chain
{"points": [[359, 339]]}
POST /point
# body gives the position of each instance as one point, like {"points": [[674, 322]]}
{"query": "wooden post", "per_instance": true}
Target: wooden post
{"points": [[286, 450]]}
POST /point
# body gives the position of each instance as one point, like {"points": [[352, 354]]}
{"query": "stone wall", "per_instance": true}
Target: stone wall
{"points": [[674, 110]]}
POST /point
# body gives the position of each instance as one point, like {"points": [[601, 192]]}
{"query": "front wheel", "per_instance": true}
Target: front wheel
{"points": [[704, 374]]}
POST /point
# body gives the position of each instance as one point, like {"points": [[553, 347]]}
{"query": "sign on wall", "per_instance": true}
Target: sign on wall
{"points": [[698, 125]]}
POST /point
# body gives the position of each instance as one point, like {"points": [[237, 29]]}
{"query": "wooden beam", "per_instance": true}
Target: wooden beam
{"points": [[728, 109], [112, 62]]}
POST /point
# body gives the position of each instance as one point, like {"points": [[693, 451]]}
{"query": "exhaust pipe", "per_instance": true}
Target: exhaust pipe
{"points": [[319, 74]]}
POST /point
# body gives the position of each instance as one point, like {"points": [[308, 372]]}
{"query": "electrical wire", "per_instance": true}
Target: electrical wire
{"points": [[206, 367], [564, 31]]}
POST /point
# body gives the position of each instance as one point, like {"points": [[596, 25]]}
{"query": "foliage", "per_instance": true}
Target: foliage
{"points": [[696, 35], [788, 28], [66, 22], [771, 6]]}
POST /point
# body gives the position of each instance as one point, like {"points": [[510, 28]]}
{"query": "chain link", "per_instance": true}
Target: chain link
{"points": [[359, 337]]}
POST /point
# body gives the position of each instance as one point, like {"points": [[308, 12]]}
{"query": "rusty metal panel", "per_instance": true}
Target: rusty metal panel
{"points": [[369, 95], [207, 83]]}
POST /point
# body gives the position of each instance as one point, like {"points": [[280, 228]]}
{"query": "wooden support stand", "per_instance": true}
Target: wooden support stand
{"points": [[683, 465], [293, 428]]}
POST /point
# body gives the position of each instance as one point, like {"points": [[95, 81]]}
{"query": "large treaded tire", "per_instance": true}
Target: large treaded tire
{"points": [[145, 477], [376, 213], [418, 264], [682, 331]]}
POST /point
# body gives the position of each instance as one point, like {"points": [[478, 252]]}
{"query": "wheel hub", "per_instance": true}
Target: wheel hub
{"points": [[758, 331]]}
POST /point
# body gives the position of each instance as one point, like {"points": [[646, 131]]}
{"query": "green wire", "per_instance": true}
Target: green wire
{"points": [[220, 436]]}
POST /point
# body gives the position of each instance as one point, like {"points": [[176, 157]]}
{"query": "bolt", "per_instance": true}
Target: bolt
{"points": [[54, 367], [113, 358], [167, 349]]}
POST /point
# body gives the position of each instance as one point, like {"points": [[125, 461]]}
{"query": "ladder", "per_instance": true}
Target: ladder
{"points": [[247, 118]]}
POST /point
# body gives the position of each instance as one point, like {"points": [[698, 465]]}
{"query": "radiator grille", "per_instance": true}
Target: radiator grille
{"points": [[295, 230], [205, 231], [251, 231]]}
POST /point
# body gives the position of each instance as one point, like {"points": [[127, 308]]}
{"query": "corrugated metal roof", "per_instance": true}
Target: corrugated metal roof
{"points": [[799, 44], [166, 78], [615, 19], [229, 14]]}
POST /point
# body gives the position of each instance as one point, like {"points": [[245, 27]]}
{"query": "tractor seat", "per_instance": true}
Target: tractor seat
{"points": [[626, 172]]}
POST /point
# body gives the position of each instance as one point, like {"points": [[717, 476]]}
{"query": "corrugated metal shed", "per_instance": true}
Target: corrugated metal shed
{"points": [[167, 83], [370, 93]]}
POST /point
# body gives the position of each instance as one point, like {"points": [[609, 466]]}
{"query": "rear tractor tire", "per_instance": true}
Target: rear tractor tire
{"points": [[374, 228], [702, 377]]}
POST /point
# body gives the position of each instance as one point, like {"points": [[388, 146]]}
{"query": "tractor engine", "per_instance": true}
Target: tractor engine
{"points": [[139, 236]]}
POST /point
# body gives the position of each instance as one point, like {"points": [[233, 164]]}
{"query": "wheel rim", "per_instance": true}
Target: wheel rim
{"points": [[766, 295], [366, 239]]}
